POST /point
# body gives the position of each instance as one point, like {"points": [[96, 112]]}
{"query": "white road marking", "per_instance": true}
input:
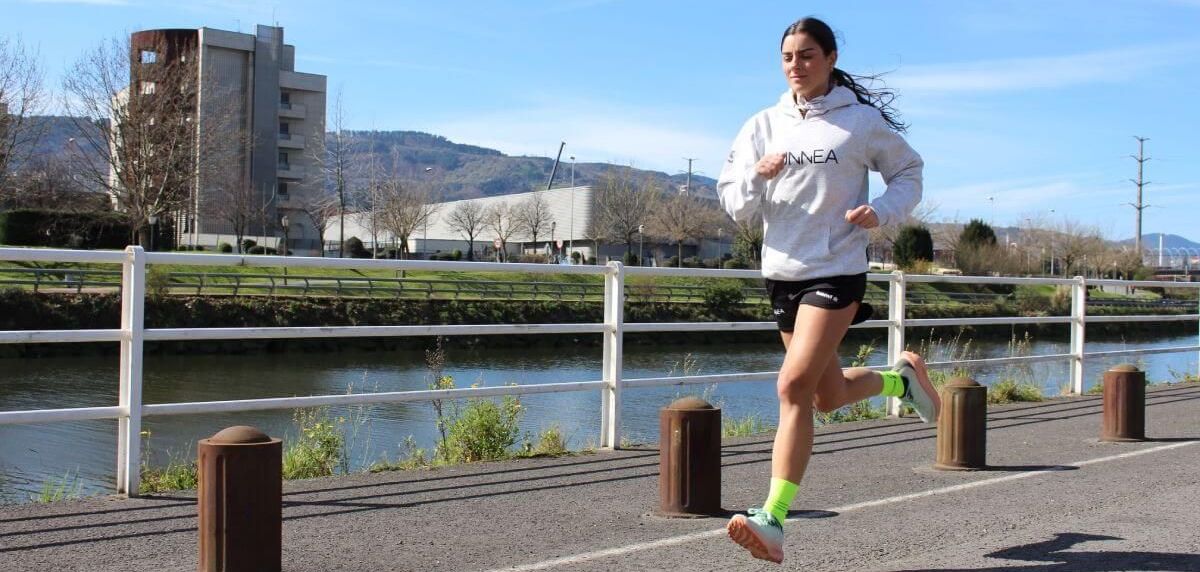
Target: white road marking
{"points": [[682, 539]]}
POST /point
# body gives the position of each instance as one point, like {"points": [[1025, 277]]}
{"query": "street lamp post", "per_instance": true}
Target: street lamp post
{"points": [[153, 227], [553, 243], [284, 223], [720, 246], [641, 241]]}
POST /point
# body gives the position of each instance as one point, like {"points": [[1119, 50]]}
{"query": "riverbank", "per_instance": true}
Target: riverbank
{"points": [[24, 310]]}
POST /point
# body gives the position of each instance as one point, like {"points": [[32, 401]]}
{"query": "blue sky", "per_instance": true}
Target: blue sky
{"points": [[1031, 103]]}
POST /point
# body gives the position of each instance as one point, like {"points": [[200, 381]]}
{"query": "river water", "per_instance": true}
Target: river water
{"points": [[30, 455]]}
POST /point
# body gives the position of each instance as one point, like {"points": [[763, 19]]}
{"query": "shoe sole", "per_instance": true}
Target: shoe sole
{"points": [[741, 533], [918, 364]]}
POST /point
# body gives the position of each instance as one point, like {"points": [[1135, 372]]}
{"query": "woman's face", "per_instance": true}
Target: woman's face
{"points": [[805, 66]]}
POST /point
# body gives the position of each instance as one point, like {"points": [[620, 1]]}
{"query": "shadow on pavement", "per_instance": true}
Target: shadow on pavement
{"points": [[1054, 554]]}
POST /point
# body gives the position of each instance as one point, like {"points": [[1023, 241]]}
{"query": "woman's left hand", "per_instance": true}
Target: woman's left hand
{"points": [[863, 216]]}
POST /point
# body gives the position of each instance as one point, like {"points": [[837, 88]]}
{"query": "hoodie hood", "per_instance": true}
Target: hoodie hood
{"points": [[838, 97]]}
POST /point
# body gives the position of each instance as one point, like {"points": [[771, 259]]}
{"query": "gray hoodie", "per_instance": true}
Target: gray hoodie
{"points": [[829, 151]]}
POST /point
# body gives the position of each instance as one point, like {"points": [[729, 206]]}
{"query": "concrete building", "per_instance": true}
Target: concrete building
{"points": [[572, 209], [250, 80]]}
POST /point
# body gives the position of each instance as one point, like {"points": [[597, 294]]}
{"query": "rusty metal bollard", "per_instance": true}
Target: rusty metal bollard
{"points": [[962, 426], [240, 501], [689, 466], [1124, 404]]}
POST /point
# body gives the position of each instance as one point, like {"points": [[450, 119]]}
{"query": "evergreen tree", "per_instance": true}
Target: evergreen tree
{"points": [[912, 243]]}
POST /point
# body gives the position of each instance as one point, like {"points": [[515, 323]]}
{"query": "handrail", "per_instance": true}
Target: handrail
{"points": [[132, 334]]}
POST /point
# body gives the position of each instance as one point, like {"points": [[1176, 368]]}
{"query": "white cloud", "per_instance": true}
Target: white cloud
{"points": [[1046, 72], [647, 139]]}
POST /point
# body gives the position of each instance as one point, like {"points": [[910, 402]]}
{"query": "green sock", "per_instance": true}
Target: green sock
{"points": [[782, 493], [893, 384]]}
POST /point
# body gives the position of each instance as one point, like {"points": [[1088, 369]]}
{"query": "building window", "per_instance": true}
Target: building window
{"points": [[148, 87], [284, 129], [283, 160], [283, 190], [149, 57], [285, 100]]}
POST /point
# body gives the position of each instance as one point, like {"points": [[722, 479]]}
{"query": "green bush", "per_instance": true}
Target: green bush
{"points": [[912, 243], [354, 248], [736, 264], [723, 294], [976, 233], [255, 249], [1009, 391], [225, 247], [319, 448], [591, 260], [551, 443], [457, 255], [575, 257], [630, 259], [483, 430], [178, 475]]}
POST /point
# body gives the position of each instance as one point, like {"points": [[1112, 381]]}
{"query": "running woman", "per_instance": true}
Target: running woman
{"points": [[802, 165]]}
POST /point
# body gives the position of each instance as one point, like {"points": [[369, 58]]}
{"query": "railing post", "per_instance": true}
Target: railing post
{"points": [[129, 426], [1078, 318], [896, 297], [614, 320]]}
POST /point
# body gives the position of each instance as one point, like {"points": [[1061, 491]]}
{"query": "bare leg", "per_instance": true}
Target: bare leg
{"points": [[839, 388], [811, 350]]}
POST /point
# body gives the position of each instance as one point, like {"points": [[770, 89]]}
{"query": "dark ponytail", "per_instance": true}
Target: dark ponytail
{"points": [[880, 98]]}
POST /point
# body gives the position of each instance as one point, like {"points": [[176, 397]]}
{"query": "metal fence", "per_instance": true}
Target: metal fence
{"points": [[132, 336], [57, 280]]}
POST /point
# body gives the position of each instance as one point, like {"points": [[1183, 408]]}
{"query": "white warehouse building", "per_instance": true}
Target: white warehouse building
{"points": [[570, 211]]}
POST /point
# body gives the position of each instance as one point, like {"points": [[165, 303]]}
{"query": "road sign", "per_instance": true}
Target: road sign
{"points": [[496, 243], [559, 243]]}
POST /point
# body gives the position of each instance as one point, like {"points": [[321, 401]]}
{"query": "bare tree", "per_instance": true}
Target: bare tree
{"points": [[321, 210], [624, 207], [681, 217], [498, 218], [240, 207], [46, 182], [334, 153], [533, 217], [21, 96], [404, 209], [145, 155], [748, 241], [371, 196], [467, 219]]}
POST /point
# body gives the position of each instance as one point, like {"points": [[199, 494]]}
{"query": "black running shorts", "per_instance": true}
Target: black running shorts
{"points": [[833, 293]]}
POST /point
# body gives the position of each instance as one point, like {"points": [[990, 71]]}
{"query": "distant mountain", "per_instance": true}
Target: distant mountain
{"points": [[1150, 241], [466, 171], [458, 170]]}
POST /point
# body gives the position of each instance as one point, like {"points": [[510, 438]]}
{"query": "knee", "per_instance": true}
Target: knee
{"points": [[796, 388]]}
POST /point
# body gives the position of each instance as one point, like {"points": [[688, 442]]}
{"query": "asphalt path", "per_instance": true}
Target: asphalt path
{"points": [[1053, 499]]}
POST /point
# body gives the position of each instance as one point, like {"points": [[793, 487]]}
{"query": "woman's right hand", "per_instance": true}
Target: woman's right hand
{"points": [[770, 166]]}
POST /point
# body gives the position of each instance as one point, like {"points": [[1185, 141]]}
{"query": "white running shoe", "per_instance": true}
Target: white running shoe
{"points": [[921, 394], [761, 534]]}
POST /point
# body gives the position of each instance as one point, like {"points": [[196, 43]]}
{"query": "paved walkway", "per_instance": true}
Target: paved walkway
{"points": [[1055, 499]]}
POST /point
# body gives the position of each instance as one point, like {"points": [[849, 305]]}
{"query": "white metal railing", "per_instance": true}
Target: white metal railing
{"points": [[132, 335]]}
